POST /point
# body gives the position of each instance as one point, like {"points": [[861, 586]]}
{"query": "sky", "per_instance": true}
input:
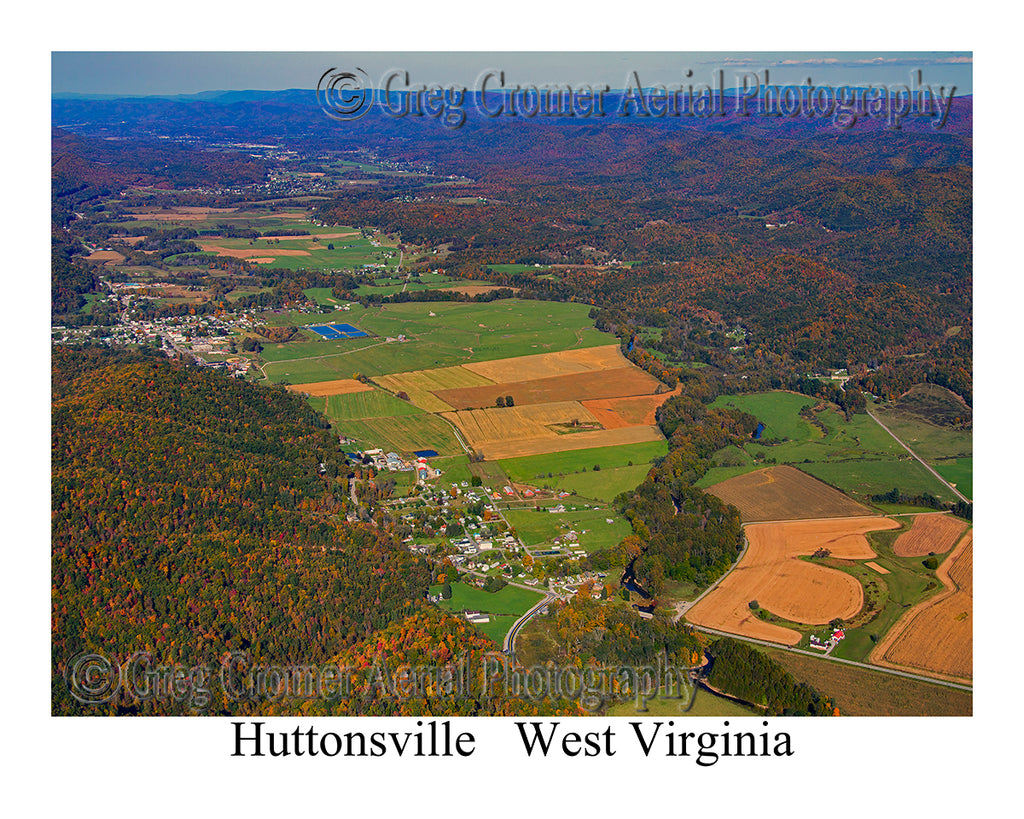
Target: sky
{"points": [[181, 72]]}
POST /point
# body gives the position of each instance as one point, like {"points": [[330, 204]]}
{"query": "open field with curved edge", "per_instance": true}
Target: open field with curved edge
{"points": [[784, 493], [937, 635], [793, 589], [929, 533]]}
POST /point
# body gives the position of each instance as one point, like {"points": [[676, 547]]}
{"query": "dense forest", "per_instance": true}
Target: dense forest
{"points": [[742, 671]]}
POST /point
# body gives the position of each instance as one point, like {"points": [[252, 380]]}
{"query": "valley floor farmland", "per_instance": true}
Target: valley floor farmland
{"points": [[936, 636], [784, 493], [770, 574]]}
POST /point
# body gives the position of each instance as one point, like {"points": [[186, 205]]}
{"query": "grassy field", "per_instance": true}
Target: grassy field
{"points": [[370, 404], [860, 692], [928, 440], [535, 528], [603, 485], [439, 334], [534, 468], [402, 433], [703, 704], [866, 478], [959, 472], [510, 603], [857, 456], [778, 411]]}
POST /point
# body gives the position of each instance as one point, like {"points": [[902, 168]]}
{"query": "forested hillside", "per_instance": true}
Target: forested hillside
{"points": [[191, 518]]}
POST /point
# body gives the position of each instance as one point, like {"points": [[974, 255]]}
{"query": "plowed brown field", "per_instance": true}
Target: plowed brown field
{"points": [[346, 386], [936, 533], [793, 589], [625, 381], [626, 412], [546, 365], [937, 635], [785, 493]]}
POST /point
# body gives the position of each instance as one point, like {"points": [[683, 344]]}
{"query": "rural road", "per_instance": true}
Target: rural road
{"points": [[945, 483], [509, 644], [820, 656]]}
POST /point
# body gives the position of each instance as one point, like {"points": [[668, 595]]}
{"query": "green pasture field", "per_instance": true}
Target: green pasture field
{"points": [[349, 253], [863, 478], [778, 411], [702, 704], [402, 433], [372, 404], [535, 528], [857, 456], [534, 469], [514, 268], [505, 606], [959, 472], [454, 469], [453, 335], [603, 485], [491, 474]]}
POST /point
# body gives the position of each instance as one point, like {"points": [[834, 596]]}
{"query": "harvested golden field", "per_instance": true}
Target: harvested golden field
{"points": [[614, 413], [624, 381], [344, 386], [875, 567], [510, 423], [937, 635], [546, 365], [420, 385], [930, 533], [785, 493], [496, 450], [106, 256], [793, 589]]}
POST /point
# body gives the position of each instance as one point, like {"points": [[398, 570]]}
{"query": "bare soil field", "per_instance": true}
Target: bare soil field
{"points": [[931, 533], [344, 386], [937, 635], [793, 589], [546, 365], [614, 413], [785, 493], [248, 252], [624, 381]]}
